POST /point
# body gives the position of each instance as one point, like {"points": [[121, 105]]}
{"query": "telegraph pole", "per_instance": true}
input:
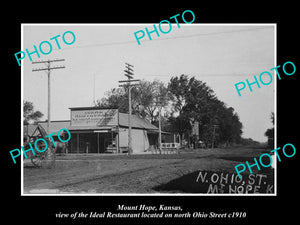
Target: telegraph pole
{"points": [[160, 103], [129, 75], [48, 70], [159, 123]]}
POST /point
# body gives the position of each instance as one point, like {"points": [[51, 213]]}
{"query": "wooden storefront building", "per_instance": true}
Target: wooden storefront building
{"points": [[98, 130]]}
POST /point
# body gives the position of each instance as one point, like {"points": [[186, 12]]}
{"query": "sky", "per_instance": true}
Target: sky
{"points": [[220, 55]]}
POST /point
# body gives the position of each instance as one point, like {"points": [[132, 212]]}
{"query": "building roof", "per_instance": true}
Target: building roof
{"points": [[88, 108], [55, 126], [136, 122], [93, 128]]}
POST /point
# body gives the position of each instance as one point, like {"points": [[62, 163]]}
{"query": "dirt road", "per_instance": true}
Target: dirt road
{"points": [[128, 174]]}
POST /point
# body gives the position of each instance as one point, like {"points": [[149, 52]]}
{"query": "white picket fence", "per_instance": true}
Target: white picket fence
{"points": [[166, 148]]}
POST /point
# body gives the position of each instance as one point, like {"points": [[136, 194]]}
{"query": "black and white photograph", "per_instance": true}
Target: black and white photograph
{"points": [[147, 113], [171, 115]]}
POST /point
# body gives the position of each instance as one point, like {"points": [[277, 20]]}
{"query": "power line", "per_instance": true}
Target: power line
{"points": [[205, 75], [202, 75], [171, 38]]}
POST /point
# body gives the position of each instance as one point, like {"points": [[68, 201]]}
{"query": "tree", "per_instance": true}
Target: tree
{"points": [[149, 98], [29, 115], [193, 100], [115, 98], [270, 132], [179, 125], [185, 101], [146, 98]]}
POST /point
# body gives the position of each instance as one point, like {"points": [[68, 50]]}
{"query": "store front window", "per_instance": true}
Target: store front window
{"points": [[92, 142]]}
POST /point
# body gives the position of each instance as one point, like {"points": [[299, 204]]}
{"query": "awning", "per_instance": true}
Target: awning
{"points": [[91, 128]]}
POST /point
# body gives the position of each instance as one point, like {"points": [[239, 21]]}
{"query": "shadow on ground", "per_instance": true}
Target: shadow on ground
{"points": [[219, 182]]}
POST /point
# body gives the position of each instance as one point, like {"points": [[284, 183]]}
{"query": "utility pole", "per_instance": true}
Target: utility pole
{"points": [[48, 70], [160, 104], [129, 75]]}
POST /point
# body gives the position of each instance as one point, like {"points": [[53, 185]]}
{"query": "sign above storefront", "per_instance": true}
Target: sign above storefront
{"points": [[93, 117]]}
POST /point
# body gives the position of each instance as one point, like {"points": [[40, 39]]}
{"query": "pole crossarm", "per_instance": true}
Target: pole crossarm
{"points": [[48, 61], [129, 85], [50, 68], [128, 65], [123, 81]]}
